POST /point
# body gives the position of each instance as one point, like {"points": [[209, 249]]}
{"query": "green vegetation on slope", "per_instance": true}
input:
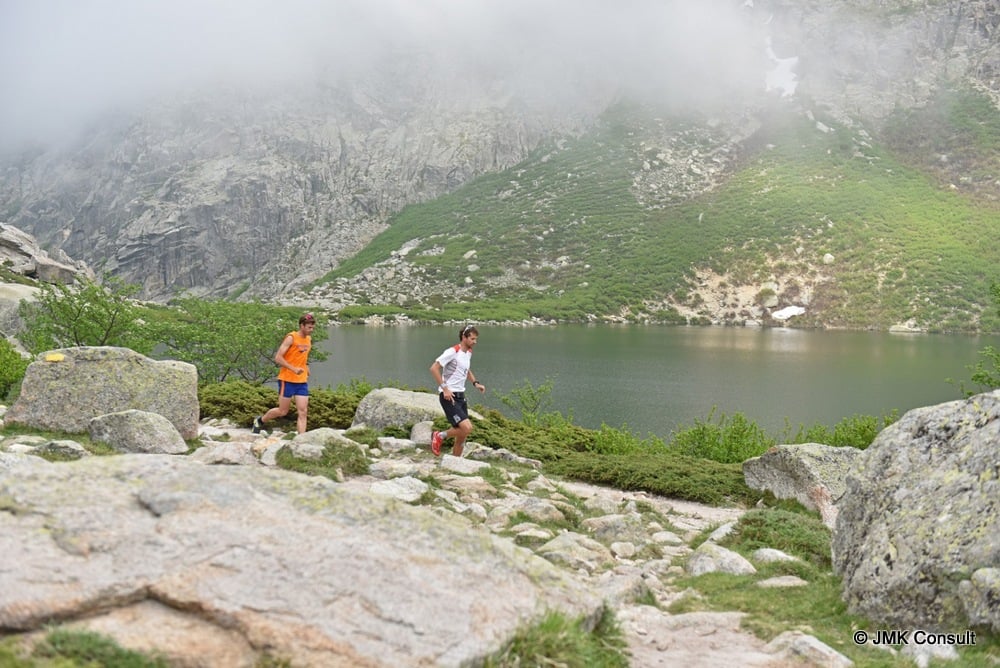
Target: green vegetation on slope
{"points": [[566, 223], [956, 138]]}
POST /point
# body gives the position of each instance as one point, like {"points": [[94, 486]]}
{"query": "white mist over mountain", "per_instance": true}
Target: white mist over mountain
{"points": [[64, 63]]}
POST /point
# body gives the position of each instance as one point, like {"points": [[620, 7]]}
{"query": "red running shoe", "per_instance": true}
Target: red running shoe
{"points": [[436, 439]]}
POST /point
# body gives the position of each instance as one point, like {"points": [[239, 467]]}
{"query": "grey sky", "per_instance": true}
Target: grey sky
{"points": [[64, 61]]}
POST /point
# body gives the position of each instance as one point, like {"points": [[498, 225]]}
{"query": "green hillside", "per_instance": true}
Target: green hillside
{"points": [[873, 235]]}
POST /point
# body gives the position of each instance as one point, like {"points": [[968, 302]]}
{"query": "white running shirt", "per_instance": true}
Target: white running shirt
{"points": [[455, 367]]}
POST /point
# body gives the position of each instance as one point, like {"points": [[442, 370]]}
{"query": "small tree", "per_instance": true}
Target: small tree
{"points": [[229, 340], [986, 372], [86, 314], [532, 402]]}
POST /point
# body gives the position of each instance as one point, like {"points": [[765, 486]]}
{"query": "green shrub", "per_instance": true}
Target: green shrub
{"points": [[729, 440], [237, 400], [84, 314], [12, 368], [857, 431], [611, 441], [241, 401], [228, 340], [332, 408], [530, 401], [536, 442], [736, 439], [986, 372], [668, 474], [397, 432]]}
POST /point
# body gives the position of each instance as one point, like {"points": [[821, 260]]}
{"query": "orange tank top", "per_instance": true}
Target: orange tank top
{"points": [[297, 355]]}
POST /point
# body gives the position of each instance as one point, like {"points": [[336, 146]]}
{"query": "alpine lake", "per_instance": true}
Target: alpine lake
{"points": [[653, 380]]}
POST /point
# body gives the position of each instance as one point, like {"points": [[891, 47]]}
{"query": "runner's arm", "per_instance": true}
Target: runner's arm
{"points": [[279, 356]]}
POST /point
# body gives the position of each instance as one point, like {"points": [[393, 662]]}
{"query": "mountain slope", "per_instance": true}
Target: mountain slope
{"points": [[796, 213], [836, 157], [252, 194]]}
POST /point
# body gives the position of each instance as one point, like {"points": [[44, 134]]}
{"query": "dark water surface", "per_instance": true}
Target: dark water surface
{"points": [[655, 379]]}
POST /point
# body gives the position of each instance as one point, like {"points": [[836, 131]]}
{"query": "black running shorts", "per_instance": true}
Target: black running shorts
{"points": [[456, 410]]}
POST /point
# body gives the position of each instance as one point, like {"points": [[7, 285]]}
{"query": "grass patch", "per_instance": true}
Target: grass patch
{"points": [[613, 457], [815, 608], [494, 475], [93, 447], [83, 648], [801, 534], [559, 641], [336, 462], [63, 648], [364, 435]]}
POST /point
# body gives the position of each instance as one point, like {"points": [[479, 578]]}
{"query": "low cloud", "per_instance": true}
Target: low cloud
{"points": [[64, 62]]}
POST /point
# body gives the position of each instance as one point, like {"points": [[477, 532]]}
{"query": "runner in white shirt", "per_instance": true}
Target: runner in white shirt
{"points": [[450, 371]]}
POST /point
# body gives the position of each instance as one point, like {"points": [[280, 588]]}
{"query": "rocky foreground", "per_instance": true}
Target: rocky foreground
{"points": [[394, 557], [220, 558]]}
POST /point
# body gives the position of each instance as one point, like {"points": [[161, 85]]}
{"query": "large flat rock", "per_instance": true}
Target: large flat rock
{"points": [[298, 566]]}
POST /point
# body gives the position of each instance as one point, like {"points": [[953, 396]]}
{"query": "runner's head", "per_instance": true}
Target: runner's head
{"points": [[467, 331], [307, 323]]}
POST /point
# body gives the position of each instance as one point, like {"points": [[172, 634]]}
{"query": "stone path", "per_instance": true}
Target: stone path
{"points": [[656, 638], [693, 640]]}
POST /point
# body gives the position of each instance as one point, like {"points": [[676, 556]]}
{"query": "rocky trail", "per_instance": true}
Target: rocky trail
{"points": [[654, 636]]}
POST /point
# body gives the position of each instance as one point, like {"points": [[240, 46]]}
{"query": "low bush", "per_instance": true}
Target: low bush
{"points": [[543, 443], [236, 400], [332, 408], [12, 368], [727, 440], [614, 457], [241, 401], [857, 431], [734, 439], [672, 475], [611, 441]]}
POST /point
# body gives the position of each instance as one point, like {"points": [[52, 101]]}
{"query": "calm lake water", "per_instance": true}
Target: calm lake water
{"points": [[653, 380]]}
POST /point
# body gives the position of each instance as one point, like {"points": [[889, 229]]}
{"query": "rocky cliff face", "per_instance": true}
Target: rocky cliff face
{"points": [[862, 59], [232, 194]]}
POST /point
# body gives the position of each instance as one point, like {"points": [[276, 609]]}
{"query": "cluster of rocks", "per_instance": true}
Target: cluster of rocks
{"points": [[678, 165], [914, 517], [399, 281], [21, 254], [220, 556]]}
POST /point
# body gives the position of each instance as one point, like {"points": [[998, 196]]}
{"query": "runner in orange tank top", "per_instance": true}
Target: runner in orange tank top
{"points": [[293, 376]]}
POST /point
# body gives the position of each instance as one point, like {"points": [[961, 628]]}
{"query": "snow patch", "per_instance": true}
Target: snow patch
{"points": [[788, 312]]}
